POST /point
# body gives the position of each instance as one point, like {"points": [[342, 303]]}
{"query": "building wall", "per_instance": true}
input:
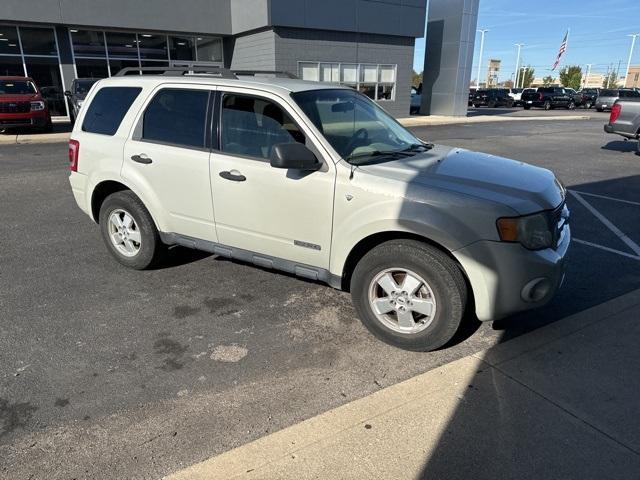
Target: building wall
{"points": [[388, 17], [633, 79], [255, 51], [200, 16], [297, 45]]}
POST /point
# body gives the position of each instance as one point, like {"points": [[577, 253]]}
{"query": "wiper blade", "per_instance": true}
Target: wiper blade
{"points": [[415, 147], [376, 154]]}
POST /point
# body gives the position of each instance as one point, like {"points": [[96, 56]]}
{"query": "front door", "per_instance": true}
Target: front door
{"points": [[167, 159], [281, 213]]}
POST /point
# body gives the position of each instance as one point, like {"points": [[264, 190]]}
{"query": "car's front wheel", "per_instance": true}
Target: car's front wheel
{"points": [[409, 295], [129, 231]]}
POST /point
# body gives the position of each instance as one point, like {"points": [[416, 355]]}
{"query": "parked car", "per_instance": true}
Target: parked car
{"points": [[548, 98], [608, 97], [492, 98], [416, 100], [577, 97], [22, 105], [317, 180], [79, 89], [472, 92], [625, 119], [589, 97], [516, 94]]}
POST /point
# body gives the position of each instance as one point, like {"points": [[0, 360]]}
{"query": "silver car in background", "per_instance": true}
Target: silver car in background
{"points": [[608, 97]]}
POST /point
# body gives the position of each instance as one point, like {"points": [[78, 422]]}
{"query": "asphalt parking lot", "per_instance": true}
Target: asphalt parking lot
{"points": [[111, 373]]}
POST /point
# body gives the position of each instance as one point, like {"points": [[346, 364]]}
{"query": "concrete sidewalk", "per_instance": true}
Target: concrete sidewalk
{"points": [[560, 402]]}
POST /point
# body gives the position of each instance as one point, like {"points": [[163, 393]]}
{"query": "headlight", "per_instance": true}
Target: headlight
{"points": [[534, 232], [38, 105]]}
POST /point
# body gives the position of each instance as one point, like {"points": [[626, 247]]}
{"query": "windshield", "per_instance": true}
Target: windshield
{"points": [[82, 86], [609, 93], [355, 126], [16, 87]]}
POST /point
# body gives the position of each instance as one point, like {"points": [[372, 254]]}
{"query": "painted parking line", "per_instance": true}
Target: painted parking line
{"points": [[604, 197], [606, 249], [622, 236]]}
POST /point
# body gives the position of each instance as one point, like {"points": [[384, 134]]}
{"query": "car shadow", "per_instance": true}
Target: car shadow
{"points": [[628, 146], [58, 127], [178, 256]]}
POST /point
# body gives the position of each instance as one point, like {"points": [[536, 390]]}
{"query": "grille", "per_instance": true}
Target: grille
{"points": [[15, 107], [559, 219], [16, 121]]}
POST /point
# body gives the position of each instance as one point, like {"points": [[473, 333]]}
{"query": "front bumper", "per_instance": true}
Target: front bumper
{"points": [[38, 118], [502, 275]]}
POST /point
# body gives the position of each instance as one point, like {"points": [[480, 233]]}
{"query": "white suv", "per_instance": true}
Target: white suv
{"points": [[317, 180]]}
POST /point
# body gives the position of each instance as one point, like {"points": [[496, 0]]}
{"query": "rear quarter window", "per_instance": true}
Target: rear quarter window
{"points": [[108, 108]]}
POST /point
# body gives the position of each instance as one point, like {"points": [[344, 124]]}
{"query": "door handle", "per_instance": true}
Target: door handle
{"points": [[142, 158], [233, 175]]}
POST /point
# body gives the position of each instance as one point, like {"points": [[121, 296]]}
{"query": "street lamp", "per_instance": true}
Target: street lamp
{"points": [[586, 77], [519, 45], [633, 43], [480, 59], [524, 72]]}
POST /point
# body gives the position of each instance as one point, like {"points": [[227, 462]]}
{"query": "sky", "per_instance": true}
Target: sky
{"points": [[598, 34]]}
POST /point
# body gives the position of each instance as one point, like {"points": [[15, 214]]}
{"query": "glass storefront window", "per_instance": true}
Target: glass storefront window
{"points": [[329, 72], [88, 43], [122, 45], [152, 46], [208, 49], [182, 48], [349, 73], [38, 41], [46, 74], [117, 65], [9, 40], [377, 82], [91, 68], [11, 66]]}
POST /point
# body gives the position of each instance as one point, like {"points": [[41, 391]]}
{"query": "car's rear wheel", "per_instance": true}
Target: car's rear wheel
{"points": [[600, 109], [409, 295], [588, 105], [547, 105], [527, 107], [129, 231], [571, 106]]}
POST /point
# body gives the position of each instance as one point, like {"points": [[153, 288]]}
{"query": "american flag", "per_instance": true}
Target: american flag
{"points": [[563, 48]]}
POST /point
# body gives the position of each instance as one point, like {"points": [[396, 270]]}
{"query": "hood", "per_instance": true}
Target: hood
{"points": [[520, 186], [27, 97]]}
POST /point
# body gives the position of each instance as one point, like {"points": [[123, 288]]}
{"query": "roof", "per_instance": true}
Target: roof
{"points": [[282, 85]]}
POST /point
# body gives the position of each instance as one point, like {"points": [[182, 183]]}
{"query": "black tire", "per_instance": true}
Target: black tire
{"points": [[571, 106], [509, 104], [587, 106], [600, 109], [476, 105], [527, 107], [151, 249], [441, 273], [547, 105]]}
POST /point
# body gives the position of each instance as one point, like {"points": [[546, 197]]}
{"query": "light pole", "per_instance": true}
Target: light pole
{"points": [[586, 77], [519, 45], [633, 44], [482, 32], [524, 71]]}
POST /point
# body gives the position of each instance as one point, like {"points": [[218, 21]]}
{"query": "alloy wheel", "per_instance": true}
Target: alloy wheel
{"points": [[124, 233]]}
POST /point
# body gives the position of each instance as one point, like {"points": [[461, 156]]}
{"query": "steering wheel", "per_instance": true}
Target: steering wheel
{"points": [[362, 132]]}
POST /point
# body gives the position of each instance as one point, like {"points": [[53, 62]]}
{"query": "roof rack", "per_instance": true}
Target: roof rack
{"points": [[277, 73], [201, 70]]}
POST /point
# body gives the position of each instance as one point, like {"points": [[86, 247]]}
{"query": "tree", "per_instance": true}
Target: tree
{"points": [[610, 80], [527, 76], [571, 77], [416, 79], [547, 81], [508, 84]]}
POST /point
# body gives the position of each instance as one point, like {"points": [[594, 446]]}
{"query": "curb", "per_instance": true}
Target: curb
{"points": [[34, 138], [340, 436]]}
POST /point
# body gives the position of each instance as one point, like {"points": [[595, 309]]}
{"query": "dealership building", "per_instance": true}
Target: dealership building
{"points": [[366, 44]]}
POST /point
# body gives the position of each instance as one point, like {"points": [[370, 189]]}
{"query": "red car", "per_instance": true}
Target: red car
{"points": [[22, 105]]}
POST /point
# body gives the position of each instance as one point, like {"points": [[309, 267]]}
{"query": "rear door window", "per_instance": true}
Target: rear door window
{"points": [[108, 108], [177, 117]]}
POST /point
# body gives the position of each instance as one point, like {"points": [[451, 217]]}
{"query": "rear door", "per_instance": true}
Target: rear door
{"points": [[167, 158]]}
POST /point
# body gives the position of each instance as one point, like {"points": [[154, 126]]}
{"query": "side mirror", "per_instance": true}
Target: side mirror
{"points": [[294, 156], [67, 93]]}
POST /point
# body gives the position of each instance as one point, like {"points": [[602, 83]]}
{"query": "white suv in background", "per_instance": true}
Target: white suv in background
{"points": [[317, 180]]}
